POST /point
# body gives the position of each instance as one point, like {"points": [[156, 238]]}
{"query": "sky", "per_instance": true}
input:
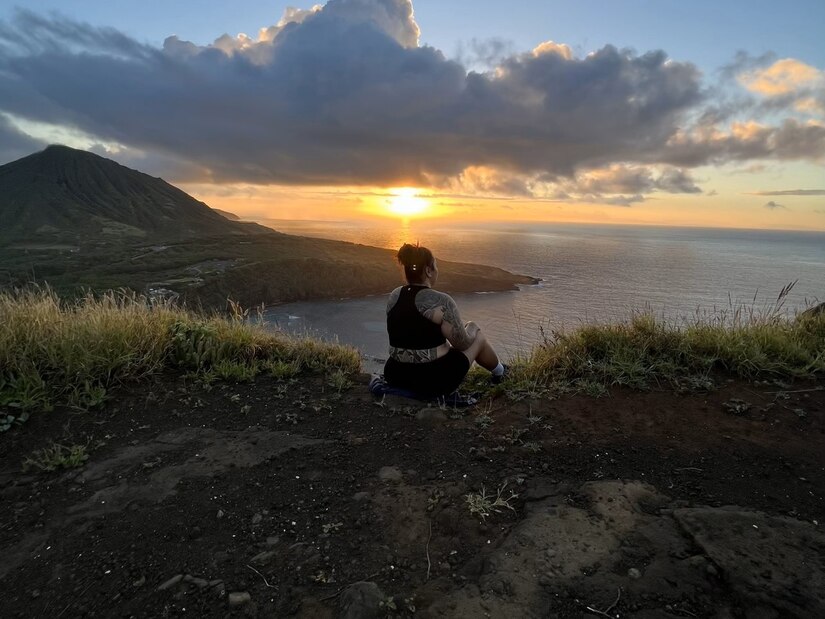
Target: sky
{"points": [[636, 112]]}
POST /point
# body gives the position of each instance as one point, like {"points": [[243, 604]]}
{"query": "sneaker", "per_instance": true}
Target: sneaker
{"points": [[499, 379]]}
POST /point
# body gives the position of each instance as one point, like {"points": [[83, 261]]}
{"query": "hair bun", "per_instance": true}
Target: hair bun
{"points": [[415, 259]]}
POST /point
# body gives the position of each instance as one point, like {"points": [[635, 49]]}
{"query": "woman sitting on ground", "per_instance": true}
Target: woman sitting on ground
{"points": [[431, 351]]}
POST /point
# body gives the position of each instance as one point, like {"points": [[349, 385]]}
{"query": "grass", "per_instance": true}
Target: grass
{"points": [[647, 351], [55, 352], [57, 456], [483, 504]]}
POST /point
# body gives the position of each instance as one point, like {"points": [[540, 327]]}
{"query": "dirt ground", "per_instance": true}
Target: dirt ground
{"points": [[290, 499]]}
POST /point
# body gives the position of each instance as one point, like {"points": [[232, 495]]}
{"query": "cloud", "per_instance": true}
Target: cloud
{"points": [[14, 143], [342, 94], [551, 47], [790, 192], [781, 78], [622, 179], [791, 140], [620, 185], [484, 54], [786, 84], [773, 205]]}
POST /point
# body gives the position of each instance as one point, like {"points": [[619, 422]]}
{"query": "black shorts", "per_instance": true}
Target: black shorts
{"points": [[435, 378]]}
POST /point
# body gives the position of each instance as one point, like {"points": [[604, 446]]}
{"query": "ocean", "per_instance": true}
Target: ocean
{"points": [[589, 273]]}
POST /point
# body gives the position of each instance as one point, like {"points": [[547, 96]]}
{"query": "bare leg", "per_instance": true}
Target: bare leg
{"points": [[482, 352]]}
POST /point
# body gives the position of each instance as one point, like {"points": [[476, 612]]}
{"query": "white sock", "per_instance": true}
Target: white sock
{"points": [[498, 370]]}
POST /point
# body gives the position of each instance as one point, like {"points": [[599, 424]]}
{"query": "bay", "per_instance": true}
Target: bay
{"points": [[589, 273]]}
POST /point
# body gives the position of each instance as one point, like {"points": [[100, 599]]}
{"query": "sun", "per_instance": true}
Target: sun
{"points": [[406, 202]]}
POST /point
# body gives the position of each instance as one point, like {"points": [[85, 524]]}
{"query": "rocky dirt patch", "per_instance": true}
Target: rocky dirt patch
{"points": [[290, 499]]}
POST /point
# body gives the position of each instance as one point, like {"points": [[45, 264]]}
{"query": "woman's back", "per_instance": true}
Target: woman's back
{"points": [[407, 326]]}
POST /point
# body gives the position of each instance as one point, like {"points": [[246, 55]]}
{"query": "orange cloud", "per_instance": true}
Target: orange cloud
{"points": [[748, 130], [551, 47], [781, 78]]}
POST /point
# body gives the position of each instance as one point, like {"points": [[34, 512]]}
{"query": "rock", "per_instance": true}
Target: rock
{"points": [[390, 474], [264, 557], [239, 598], [499, 586], [256, 519], [767, 561], [218, 587], [540, 488], [361, 496], [200, 583], [219, 515], [362, 600], [431, 416], [139, 582], [272, 541], [634, 574], [171, 582], [735, 406]]}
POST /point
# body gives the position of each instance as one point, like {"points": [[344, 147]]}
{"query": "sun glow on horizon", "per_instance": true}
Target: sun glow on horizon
{"points": [[406, 202]]}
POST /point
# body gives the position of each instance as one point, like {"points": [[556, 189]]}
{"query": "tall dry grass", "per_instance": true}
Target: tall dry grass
{"points": [[59, 352], [742, 340]]}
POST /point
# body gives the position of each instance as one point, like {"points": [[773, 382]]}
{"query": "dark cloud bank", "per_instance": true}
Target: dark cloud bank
{"points": [[344, 95]]}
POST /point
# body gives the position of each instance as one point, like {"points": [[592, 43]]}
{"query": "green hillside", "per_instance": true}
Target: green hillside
{"points": [[78, 221], [66, 195]]}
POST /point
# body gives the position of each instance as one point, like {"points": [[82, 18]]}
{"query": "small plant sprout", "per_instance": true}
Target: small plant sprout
{"points": [[338, 380], [532, 446], [322, 577], [56, 457], [237, 371], [532, 418], [282, 370], [592, 388], [320, 406], [515, 434], [434, 499], [331, 527], [483, 504], [484, 418]]}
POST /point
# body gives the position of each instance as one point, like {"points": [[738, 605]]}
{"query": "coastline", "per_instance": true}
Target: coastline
{"points": [[267, 268]]}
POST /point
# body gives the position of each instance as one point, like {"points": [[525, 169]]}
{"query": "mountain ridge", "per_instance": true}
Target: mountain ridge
{"points": [[61, 193], [79, 222]]}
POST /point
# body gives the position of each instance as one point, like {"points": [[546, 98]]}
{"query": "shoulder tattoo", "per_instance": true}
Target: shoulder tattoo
{"points": [[393, 298], [429, 301]]}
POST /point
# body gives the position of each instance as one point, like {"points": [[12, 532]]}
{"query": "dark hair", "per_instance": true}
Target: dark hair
{"points": [[415, 259]]}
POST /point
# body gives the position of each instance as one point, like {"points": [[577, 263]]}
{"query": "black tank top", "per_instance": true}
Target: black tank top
{"points": [[406, 326]]}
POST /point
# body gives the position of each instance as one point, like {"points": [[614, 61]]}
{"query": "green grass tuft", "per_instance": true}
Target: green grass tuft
{"points": [[55, 457], [646, 351], [70, 353]]}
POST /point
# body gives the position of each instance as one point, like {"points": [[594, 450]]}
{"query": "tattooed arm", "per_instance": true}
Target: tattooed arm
{"points": [[393, 298], [442, 310]]}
